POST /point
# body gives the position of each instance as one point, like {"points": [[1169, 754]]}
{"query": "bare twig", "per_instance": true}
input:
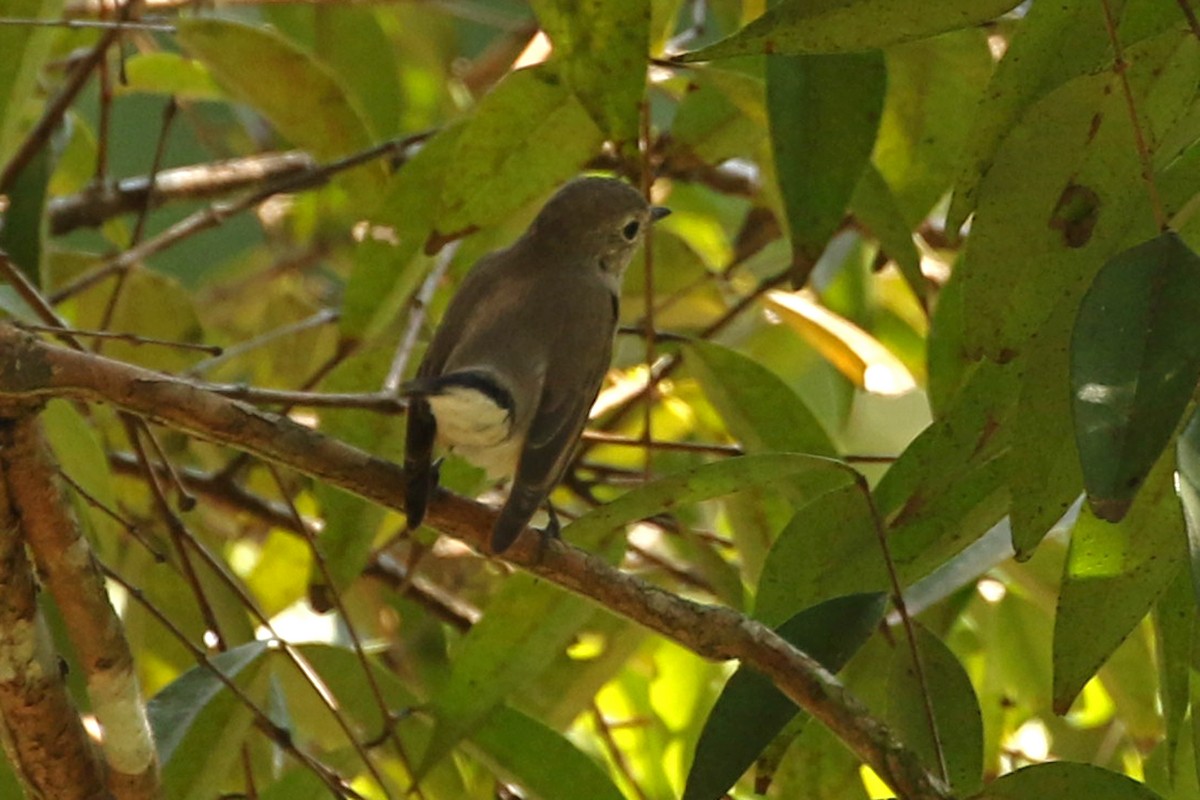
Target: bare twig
{"points": [[416, 320], [198, 182]]}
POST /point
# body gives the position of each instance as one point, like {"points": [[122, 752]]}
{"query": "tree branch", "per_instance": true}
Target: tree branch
{"points": [[37, 369], [40, 728]]}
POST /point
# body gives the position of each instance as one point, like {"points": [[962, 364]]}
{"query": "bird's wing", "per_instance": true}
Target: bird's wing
{"points": [[553, 434]]}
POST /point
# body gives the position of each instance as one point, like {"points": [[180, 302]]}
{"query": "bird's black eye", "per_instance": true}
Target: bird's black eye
{"points": [[630, 230]]}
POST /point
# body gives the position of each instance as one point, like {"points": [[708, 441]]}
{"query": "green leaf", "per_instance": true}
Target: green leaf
{"points": [[1187, 459], [520, 747], [1135, 360], [528, 624], [876, 207], [955, 710], [169, 73], [1043, 463], [795, 27], [1062, 779], [23, 232], [1175, 622], [751, 711], [931, 84], [351, 40], [809, 474], [1053, 43], [200, 725], [824, 112], [525, 137], [263, 69], [760, 410], [24, 50], [948, 487], [1062, 194], [1113, 575], [829, 548], [603, 47]]}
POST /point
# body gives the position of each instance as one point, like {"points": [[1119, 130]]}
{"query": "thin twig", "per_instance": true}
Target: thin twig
{"points": [[53, 113], [1190, 15], [131, 338], [81, 24], [416, 319], [1121, 67], [334, 592], [323, 317], [909, 630]]}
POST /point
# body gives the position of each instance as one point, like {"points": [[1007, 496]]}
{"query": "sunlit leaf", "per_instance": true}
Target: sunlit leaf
{"points": [[857, 355], [603, 47], [1114, 574], [759, 408], [841, 26], [1064, 779]]}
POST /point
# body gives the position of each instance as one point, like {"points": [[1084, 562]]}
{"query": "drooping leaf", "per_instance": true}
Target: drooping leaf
{"points": [[526, 136], [603, 47], [796, 27], [1043, 462], [1135, 360], [200, 725], [1187, 459], [23, 53], [877, 209], [757, 406], [264, 69], [1113, 575], [824, 112], [955, 710], [1065, 779], [751, 711], [811, 475]]}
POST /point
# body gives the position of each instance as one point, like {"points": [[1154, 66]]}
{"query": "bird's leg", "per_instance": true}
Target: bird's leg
{"points": [[551, 531]]}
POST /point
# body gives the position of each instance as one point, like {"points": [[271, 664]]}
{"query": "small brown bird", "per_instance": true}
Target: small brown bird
{"points": [[519, 357]]}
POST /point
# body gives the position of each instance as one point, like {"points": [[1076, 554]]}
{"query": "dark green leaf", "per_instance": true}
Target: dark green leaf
{"points": [[1135, 360], [750, 711], [200, 725], [1062, 780], [824, 112], [955, 710]]}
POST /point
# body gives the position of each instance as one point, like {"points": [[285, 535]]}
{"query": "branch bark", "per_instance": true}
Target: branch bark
{"points": [[37, 369], [65, 562], [40, 727]]}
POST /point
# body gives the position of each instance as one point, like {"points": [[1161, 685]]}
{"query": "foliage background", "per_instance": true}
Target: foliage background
{"points": [[945, 180]]}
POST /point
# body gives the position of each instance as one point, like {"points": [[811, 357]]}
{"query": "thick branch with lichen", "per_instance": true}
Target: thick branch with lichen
{"points": [[37, 369]]}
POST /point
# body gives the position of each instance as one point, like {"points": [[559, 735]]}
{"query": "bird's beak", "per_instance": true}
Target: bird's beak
{"points": [[658, 212]]}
